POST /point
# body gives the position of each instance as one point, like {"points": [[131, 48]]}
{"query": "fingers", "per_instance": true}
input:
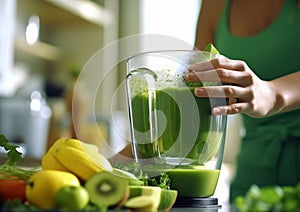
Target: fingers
{"points": [[236, 96], [230, 109], [221, 70], [221, 75], [233, 72], [227, 91], [221, 62]]}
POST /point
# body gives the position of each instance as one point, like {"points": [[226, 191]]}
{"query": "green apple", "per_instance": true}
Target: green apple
{"points": [[71, 197]]}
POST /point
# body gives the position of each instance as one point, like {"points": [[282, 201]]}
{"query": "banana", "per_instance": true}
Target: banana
{"points": [[80, 145], [80, 162], [57, 144], [49, 161], [74, 143], [77, 157]]}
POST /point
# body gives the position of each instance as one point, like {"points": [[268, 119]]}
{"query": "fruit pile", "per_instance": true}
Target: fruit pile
{"points": [[75, 176]]}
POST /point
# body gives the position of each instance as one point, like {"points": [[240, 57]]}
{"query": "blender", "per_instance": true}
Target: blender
{"points": [[172, 130]]}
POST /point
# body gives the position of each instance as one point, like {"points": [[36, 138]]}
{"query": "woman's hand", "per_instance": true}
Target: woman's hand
{"points": [[246, 92]]}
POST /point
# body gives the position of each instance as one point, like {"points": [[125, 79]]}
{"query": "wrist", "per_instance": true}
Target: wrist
{"points": [[278, 98]]}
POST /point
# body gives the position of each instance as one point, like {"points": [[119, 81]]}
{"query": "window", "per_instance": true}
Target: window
{"points": [[175, 18]]}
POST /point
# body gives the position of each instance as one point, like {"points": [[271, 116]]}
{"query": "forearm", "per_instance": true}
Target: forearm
{"points": [[287, 89]]}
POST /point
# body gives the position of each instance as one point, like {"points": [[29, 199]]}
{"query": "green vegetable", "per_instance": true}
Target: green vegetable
{"points": [[12, 152], [270, 198], [161, 180], [9, 168], [18, 206], [211, 48]]}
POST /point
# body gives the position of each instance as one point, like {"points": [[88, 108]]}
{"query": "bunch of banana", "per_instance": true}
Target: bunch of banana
{"points": [[77, 157]]}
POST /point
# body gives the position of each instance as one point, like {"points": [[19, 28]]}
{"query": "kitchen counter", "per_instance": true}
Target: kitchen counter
{"points": [[25, 162], [223, 205]]}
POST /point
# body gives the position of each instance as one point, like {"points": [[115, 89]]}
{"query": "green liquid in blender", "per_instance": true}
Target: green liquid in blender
{"points": [[184, 125], [185, 137], [194, 182], [189, 181]]}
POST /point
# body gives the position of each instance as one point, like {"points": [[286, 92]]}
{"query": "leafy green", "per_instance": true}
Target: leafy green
{"points": [[211, 48], [161, 180], [270, 198], [9, 168], [14, 156], [193, 84], [17, 205]]}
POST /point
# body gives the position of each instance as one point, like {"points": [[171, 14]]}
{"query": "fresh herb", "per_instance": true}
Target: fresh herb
{"points": [[270, 199], [9, 169], [132, 167], [17, 205], [14, 156], [161, 180], [211, 49]]}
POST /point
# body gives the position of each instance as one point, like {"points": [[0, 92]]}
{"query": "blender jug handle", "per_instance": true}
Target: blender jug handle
{"points": [[143, 80]]}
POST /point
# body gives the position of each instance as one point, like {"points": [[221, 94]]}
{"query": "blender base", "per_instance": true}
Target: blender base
{"points": [[196, 202]]}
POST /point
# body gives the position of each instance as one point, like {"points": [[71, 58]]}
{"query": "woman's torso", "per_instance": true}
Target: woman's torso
{"points": [[271, 51], [271, 145]]}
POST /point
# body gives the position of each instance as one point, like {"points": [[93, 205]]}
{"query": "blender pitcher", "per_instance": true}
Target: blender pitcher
{"points": [[172, 130]]}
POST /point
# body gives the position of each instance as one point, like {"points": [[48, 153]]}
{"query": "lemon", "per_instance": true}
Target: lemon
{"points": [[43, 185]]}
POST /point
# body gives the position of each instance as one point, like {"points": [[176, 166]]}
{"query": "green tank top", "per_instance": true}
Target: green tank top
{"points": [[271, 53]]}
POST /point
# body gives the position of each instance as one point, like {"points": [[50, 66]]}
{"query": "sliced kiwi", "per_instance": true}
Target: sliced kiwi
{"points": [[107, 189]]}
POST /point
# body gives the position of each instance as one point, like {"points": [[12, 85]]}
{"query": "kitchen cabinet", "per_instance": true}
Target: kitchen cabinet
{"points": [[69, 33]]}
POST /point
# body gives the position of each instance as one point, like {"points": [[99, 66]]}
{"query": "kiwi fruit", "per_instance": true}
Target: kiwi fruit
{"points": [[107, 189]]}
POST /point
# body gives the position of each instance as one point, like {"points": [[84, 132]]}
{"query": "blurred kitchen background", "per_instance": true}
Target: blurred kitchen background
{"points": [[44, 44]]}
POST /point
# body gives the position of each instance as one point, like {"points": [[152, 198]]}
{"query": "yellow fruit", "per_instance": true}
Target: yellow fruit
{"points": [[77, 157], [83, 163], [73, 143], [43, 185], [57, 144], [80, 145], [50, 162]]}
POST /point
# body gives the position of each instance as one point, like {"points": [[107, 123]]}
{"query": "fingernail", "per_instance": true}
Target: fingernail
{"points": [[188, 76], [216, 111], [199, 91]]}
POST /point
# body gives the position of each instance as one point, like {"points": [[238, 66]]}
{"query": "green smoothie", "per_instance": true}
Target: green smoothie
{"points": [[189, 181], [172, 127], [194, 182], [185, 125]]}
